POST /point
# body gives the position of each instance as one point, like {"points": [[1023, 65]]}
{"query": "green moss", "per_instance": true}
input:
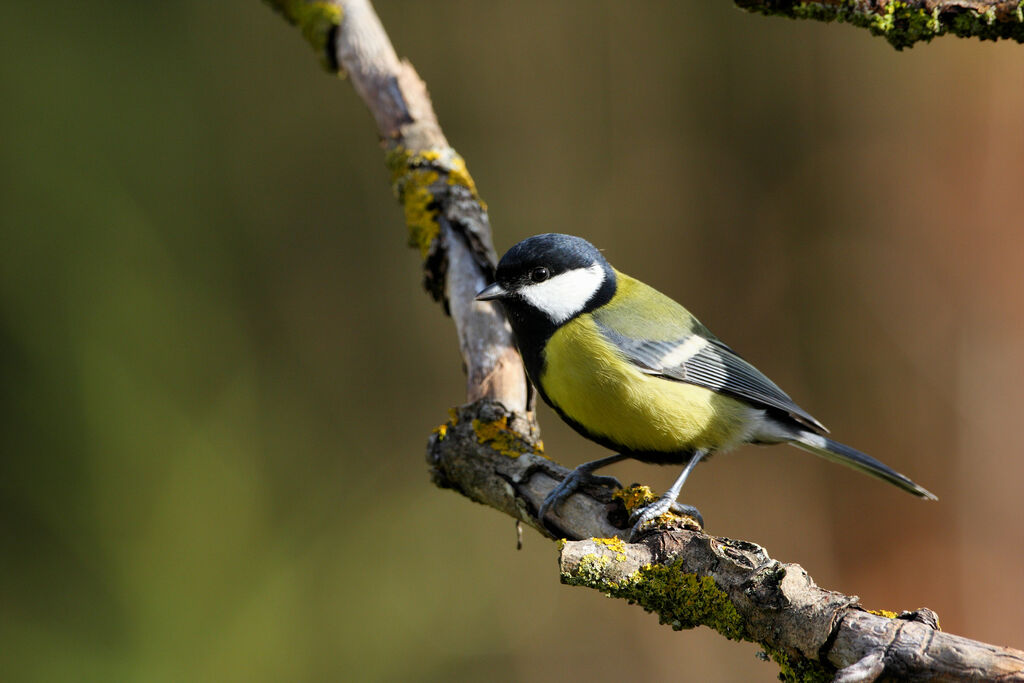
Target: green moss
{"points": [[680, 599], [901, 22], [799, 669], [815, 11], [687, 600], [684, 600], [316, 21]]}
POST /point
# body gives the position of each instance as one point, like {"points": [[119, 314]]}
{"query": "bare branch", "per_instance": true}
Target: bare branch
{"points": [[490, 449], [906, 22]]}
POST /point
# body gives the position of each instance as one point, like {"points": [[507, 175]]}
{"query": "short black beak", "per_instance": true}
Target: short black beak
{"points": [[491, 292]]}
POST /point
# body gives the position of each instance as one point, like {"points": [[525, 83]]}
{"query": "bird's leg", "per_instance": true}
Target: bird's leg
{"points": [[667, 501], [577, 478]]}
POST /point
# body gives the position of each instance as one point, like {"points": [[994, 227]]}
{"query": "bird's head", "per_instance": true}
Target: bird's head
{"points": [[558, 276]]}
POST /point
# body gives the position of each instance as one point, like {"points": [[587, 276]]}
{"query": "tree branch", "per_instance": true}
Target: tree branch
{"points": [[490, 450], [906, 22], [445, 216], [689, 578]]}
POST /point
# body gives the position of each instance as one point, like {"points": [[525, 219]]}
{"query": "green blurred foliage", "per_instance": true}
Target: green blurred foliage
{"points": [[218, 371]]}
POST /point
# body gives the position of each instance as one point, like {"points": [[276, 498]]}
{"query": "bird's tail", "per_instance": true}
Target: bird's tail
{"points": [[844, 455]]}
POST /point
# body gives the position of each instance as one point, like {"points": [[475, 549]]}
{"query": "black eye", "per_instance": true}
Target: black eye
{"points": [[539, 274]]}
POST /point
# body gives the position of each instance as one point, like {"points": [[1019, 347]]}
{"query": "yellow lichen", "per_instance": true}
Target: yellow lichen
{"points": [[401, 161], [635, 497], [396, 158], [883, 613], [666, 518], [413, 180], [500, 437], [441, 431], [616, 545], [458, 174], [420, 180], [590, 571], [420, 214]]}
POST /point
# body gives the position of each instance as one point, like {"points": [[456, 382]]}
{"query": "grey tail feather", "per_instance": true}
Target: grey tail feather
{"points": [[851, 457]]}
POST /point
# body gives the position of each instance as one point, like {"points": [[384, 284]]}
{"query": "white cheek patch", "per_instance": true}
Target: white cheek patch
{"points": [[565, 295]]}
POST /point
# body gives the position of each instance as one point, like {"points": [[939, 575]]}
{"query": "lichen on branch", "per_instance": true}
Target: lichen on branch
{"points": [[906, 22], [680, 599], [490, 450], [689, 578], [431, 184], [317, 20]]}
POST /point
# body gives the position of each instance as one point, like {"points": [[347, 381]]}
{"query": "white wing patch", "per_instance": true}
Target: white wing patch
{"points": [[565, 295], [693, 345]]}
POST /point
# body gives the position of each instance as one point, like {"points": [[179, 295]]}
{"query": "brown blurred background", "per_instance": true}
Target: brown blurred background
{"points": [[219, 370]]}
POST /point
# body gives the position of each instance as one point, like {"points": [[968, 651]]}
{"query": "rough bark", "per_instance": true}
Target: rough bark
{"points": [[811, 632], [490, 450]]}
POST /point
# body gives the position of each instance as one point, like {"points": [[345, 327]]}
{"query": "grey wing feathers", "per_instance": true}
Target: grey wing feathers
{"points": [[720, 364], [707, 362]]}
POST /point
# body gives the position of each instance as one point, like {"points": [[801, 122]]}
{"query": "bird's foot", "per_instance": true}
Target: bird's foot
{"points": [[684, 510], [579, 477], [641, 517]]}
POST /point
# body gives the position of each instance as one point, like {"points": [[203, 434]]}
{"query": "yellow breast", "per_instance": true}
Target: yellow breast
{"points": [[587, 379]]}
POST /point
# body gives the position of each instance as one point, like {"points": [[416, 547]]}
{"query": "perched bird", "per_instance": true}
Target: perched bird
{"points": [[631, 369]]}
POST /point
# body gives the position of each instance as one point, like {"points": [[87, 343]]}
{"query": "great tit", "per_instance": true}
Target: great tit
{"points": [[628, 367]]}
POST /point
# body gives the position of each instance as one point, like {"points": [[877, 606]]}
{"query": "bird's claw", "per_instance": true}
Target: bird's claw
{"points": [[641, 517], [602, 480], [684, 510], [570, 485]]}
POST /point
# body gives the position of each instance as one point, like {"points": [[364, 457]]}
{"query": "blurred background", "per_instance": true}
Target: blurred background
{"points": [[218, 370]]}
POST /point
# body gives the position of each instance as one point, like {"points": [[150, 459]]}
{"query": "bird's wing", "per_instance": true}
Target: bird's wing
{"points": [[690, 353], [708, 363]]}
